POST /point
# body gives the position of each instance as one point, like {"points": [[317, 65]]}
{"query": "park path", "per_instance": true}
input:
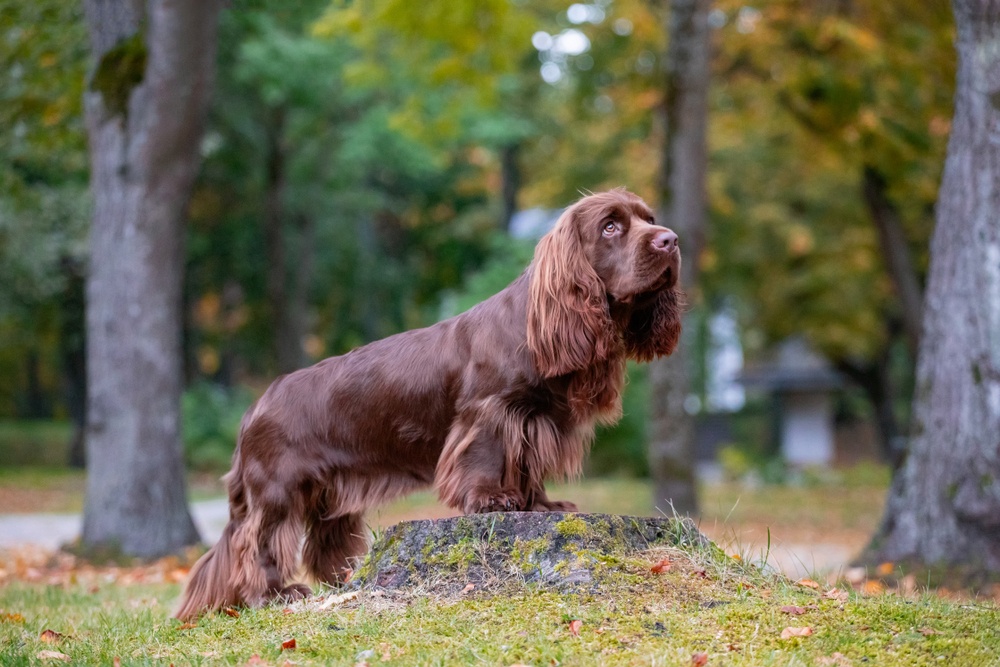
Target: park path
{"points": [[50, 531]]}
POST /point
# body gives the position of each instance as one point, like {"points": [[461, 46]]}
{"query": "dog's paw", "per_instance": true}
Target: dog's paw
{"points": [[556, 506], [494, 501], [293, 592]]}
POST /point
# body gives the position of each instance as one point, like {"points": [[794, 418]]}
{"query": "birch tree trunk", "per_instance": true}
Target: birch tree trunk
{"points": [[682, 202], [145, 108], [944, 506]]}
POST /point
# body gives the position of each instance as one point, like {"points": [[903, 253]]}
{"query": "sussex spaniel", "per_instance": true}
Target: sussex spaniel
{"points": [[486, 406]]}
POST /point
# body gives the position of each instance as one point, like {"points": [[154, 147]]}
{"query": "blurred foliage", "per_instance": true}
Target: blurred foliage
{"points": [[211, 421], [43, 198], [386, 125]]}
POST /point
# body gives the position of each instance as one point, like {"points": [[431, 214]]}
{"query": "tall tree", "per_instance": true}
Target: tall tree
{"points": [[682, 202], [944, 505], [145, 107]]}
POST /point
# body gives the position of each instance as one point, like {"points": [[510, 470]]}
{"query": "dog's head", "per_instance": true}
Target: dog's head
{"points": [[605, 251]]}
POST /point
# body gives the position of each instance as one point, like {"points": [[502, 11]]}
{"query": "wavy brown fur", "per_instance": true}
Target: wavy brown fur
{"points": [[487, 406]]}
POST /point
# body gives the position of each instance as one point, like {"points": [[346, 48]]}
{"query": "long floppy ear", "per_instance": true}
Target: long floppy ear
{"points": [[654, 330], [569, 326]]}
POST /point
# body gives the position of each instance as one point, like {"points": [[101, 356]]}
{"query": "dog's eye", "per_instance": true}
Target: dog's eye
{"points": [[610, 226]]}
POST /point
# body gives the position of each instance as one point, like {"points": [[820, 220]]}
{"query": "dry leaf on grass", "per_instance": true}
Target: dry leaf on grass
{"points": [[662, 566], [699, 659], [885, 569], [793, 609], [808, 583], [574, 627], [288, 644], [468, 587], [7, 617], [790, 632], [117, 662], [339, 599], [187, 626], [235, 614], [51, 637], [836, 594], [52, 655], [927, 632], [872, 587]]}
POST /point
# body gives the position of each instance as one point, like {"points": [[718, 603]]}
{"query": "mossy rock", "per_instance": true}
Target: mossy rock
{"points": [[496, 549]]}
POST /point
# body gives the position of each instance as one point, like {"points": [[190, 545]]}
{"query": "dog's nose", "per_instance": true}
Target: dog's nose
{"points": [[665, 240]]}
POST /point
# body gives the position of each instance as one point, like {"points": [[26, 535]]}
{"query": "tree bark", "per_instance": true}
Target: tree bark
{"points": [[145, 108], [682, 202], [944, 506]]}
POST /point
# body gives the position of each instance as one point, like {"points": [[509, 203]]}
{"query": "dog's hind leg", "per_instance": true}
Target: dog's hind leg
{"points": [[333, 545]]}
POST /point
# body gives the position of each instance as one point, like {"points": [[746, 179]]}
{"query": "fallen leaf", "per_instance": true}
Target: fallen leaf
{"points": [[732, 647], [288, 644], [885, 569], [788, 633], [52, 655], [662, 566], [699, 659], [793, 609], [872, 587], [836, 594], [808, 583], [286, 611], [235, 614], [188, 626], [468, 587], [11, 618], [255, 661], [927, 632], [738, 558], [339, 599], [51, 637], [574, 627], [117, 662]]}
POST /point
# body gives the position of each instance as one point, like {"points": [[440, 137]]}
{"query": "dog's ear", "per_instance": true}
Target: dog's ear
{"points": [[569, 326], [655, 329]]}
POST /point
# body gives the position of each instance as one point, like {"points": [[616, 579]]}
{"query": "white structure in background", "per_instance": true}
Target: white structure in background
{"points": [[723, 391], [803, 383]]}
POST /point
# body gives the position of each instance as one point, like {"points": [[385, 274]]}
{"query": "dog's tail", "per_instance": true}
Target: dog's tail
{"points": [[210, 586]]}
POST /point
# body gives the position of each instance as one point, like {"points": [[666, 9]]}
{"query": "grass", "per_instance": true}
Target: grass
{"points": [[704, 603]]}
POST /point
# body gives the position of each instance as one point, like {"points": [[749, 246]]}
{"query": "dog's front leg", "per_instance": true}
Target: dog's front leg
{"points": [[538, 501], [476, 472]]}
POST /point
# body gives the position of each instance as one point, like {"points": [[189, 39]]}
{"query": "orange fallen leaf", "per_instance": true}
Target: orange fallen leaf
{"points": [[737, 557], [51, 636], [235, 614], [288, 644], [790, 632], [662, 566], [52, 655], [885, 569], [574, 627], [188, 626], [733, 647], [793, 609], [7, 617], [808, 583], [699, 659]]}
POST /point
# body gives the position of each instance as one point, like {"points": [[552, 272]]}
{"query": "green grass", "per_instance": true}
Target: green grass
{"points": [[707, 604], [44, 443]]}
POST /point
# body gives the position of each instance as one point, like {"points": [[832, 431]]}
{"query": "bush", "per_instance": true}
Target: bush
{"points": [[211, 421]]}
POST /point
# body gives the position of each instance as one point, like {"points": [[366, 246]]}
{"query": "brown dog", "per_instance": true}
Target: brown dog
{"points": [[486, 406]]}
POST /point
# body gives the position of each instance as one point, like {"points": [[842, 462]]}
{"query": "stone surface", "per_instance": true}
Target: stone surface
{"points": [[489, 550]]}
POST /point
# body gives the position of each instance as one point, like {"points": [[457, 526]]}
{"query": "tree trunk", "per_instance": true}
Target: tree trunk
{"points": [[145, 108], [944, 507], [510, 181], [876, 381], [288, 330], [896, 254], [682, 201]]}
